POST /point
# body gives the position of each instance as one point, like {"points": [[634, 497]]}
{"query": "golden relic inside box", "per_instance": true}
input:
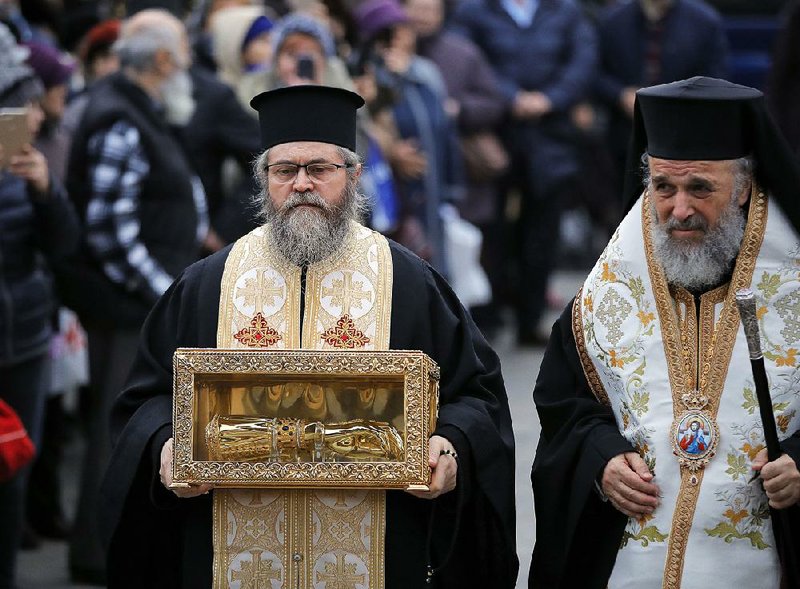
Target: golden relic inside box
{"points": [[303, 418]]}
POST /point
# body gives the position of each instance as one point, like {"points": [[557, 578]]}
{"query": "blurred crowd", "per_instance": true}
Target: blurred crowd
{"points": [[486, 120]]}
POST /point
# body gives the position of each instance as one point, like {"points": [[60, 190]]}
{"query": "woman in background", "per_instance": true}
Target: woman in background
{"points": [[37, 225]]}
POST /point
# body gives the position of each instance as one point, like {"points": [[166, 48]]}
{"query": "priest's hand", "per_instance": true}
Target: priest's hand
{"points": [[627, 482], [443, 461], [781, 479], [165, 473]]}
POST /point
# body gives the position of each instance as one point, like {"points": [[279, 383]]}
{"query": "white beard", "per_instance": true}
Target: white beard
{"points": [[699, 264], [308, 235], [178, 99]]}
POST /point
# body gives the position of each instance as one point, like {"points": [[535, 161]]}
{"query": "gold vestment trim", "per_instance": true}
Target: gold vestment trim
{"points": [[699, 363], [303, 538], [589, 369]]}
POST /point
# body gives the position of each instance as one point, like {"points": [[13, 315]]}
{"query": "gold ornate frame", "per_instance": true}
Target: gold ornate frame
{"points": [[420, 377]]}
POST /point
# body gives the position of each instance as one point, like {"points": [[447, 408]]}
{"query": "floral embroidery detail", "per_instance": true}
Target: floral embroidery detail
{"points": [[608, 275], [750, 403], [638, 531], [259, 334], [744, 518], [345, 335], [737, 466], [751, 451], [778, 291], [735, 516], [784, 419], [616, 296], [788, 360], [614, 360], [645, 318], [746, 510]]}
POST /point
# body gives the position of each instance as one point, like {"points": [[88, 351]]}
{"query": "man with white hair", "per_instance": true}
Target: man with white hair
{"points": [[144, 215], [312, 277], [651, 469]]}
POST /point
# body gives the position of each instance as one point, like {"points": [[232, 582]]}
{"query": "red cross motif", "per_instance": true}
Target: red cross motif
{"points": [[259, 334], [345, 335]]}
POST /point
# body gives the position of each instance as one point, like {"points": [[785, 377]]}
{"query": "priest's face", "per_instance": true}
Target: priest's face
{"points": [[700, 190], [309, 212], [697, 206], [331, 190]]}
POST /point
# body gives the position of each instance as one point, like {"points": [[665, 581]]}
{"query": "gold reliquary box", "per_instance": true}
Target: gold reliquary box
{"points": [[303, 418]]}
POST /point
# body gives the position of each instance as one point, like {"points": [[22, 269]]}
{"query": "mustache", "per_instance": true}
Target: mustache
{"points": [[297, 199], [692, 223]]}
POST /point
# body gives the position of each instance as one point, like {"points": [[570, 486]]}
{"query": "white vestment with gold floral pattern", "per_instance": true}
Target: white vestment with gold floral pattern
{"points": [[660, 362], [308, 539]]}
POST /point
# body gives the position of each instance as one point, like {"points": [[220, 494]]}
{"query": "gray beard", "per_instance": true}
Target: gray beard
{"points": [[308, 235], [698, 265], [178, 99]]}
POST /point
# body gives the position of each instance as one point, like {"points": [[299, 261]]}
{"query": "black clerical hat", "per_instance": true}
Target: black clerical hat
{"points": [[308, 113], [711, 119]]}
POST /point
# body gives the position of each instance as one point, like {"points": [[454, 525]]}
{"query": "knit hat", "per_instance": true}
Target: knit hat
{"points": [[53, 67], [18, 82], [260, 26], [99, 39], [373, 16], [304, 24]]}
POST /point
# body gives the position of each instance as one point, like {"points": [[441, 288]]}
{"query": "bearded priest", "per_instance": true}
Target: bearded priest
{"points": [[651, 432], [460, 533]]}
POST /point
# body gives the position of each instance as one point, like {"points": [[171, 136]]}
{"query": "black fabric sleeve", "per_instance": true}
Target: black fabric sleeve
{"points": [[141, 418], [579, 436], [473, 406]]}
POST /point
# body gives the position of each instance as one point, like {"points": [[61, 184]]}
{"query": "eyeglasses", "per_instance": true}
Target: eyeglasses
{"points": [[283, 173]]}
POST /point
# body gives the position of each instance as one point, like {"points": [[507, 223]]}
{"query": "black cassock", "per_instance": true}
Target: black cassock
{"points": [[156, 539], [578, 535]]}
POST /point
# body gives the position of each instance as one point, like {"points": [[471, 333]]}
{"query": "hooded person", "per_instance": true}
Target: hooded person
{"points": [[54, 69], [303, 52], [308, 173], [652, 343], [240, 37]]}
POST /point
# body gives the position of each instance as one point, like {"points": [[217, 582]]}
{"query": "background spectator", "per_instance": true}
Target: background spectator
{"points": [[412, 128], [303, 52], [54, 69], [44, 511], [144, 215], [783, 95], [211, 141], [475, 104], [98, 60], [240, 38], [36, 221], [649, 42], [544, 53]]}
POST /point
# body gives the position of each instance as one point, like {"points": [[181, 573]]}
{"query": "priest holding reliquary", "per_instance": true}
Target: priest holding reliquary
{"points": [[311, 279]]}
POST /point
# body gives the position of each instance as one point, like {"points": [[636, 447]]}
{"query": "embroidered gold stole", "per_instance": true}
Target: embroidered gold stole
{"points": [[303, 538], [661, 367]]}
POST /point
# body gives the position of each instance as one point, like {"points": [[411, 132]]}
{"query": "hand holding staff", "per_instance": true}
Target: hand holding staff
{"points": [[784, 521]]}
